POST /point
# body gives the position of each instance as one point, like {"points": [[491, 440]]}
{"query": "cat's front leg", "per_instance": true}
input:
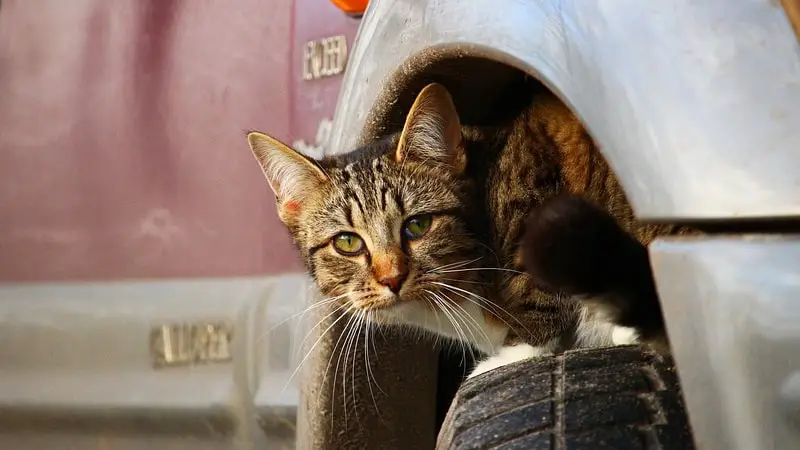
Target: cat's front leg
{"points": [[510, 354]]}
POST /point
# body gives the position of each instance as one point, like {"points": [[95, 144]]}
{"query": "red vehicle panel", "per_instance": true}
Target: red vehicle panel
{"points": [[122, 135], [320, 43], [123, 158]]}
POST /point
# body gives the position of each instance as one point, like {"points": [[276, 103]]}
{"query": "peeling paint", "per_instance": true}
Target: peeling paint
{"points": [[317, 149], [158, 224]]}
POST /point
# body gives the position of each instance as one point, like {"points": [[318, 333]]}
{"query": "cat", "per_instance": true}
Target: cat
{"points": [[490, 235], [574, 247]]}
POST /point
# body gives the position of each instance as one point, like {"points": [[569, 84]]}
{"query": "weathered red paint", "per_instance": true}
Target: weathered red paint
{"points": [[314, 101], [122, 134], [122, 150]]}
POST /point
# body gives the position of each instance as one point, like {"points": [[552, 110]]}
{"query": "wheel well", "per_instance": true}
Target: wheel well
{"points": [[485, 89], [490, 87]]}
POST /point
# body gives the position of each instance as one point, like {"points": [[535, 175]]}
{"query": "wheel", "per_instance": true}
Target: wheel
{"points": [[621, 398]]}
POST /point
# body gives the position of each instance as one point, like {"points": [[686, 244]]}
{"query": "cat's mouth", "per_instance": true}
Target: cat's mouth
{"points": [[387, 309], [386, 313], [380, 306], [375, 303]]}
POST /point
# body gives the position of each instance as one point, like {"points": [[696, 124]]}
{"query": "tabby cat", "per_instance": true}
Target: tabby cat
{"points": [[490, 235]]}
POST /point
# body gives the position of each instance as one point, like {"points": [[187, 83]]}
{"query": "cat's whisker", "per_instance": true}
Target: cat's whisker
{"points": [[485, 303], [313, 306], [321, 303], [356, 338], [311, 350], [461, 336], [333, 352], [318, 324], [429, 297], [370, 374], [477, 269], [496, 258], [489, 343], [482, 302], [465, 321], [379, 327], [349, 331], [454, 265], [330, 359], [352, 348], [449, 305], [343, 355], [365, 329], [371, 326], [438, 320], [483, 283], [361, 328]]}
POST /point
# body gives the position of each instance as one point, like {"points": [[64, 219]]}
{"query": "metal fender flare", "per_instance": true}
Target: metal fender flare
{"points": [[694, 104]]}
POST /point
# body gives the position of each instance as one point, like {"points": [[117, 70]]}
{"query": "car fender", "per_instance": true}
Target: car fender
{"points": [[694, 104]]}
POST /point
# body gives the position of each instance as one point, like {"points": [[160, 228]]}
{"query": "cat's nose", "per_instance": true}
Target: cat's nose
{"points": [[390, 268], [394, 281]]}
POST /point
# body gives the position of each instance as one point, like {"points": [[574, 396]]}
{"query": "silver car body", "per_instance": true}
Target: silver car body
{"points": [[696, 106]]}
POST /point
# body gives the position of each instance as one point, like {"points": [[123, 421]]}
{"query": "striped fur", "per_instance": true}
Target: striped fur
{"points": [[466, 276]]}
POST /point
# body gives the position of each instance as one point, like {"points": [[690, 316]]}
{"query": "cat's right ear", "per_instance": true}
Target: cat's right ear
{"points": [[432, 132], [291, 175]]}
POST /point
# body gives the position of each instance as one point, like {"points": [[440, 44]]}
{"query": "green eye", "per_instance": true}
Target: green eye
{"points": [[348, 244], [417, 226]]}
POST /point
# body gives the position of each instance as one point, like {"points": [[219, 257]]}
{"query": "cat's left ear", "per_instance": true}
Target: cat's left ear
{"points": [[293, 176], [432, 132]]}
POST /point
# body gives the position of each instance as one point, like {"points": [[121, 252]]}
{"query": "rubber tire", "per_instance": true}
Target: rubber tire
{"points": [[621, 398]]}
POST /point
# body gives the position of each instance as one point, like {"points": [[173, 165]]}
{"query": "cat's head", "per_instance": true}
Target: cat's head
{"points": [[384, 228]]}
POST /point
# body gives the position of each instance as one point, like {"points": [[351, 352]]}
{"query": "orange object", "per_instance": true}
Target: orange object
{"points": [[792, 9], [355, 7]]}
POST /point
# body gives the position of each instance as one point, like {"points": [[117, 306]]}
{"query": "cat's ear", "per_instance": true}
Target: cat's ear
{"points": [[432, 131], [291, 175]]}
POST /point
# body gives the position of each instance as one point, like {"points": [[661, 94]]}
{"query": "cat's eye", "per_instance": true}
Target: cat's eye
{"points": [[417, 226], [348, 244]]}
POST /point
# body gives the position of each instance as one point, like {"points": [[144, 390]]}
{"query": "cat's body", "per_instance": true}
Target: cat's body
{"points": [[428, 228]]}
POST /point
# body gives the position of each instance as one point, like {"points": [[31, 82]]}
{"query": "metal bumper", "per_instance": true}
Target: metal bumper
{"points": [[82, 364]]}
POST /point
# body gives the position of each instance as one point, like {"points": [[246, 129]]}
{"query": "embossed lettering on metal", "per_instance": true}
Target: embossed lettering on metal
{"points": [[324, 57], [181, 344]]}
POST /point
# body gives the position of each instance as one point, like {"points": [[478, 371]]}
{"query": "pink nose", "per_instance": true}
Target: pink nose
{"points": [[393, 282]]}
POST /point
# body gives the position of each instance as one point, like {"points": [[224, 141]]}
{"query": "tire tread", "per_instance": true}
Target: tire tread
{"points": [[622, 398]]}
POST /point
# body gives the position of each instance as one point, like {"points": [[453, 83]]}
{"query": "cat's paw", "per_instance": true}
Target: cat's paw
{"points": [[624, 336], [574, 246], [508, 355]]}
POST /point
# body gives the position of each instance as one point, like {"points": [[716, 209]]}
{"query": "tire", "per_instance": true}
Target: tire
{"points": [[621, 398]]}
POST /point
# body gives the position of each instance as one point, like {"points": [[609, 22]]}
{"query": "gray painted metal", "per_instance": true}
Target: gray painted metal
{"points": [[695, 104], [734, 322], [76, 371]]}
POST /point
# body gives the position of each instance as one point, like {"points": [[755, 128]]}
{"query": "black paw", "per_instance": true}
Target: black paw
{"points": [[573, 246]]}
